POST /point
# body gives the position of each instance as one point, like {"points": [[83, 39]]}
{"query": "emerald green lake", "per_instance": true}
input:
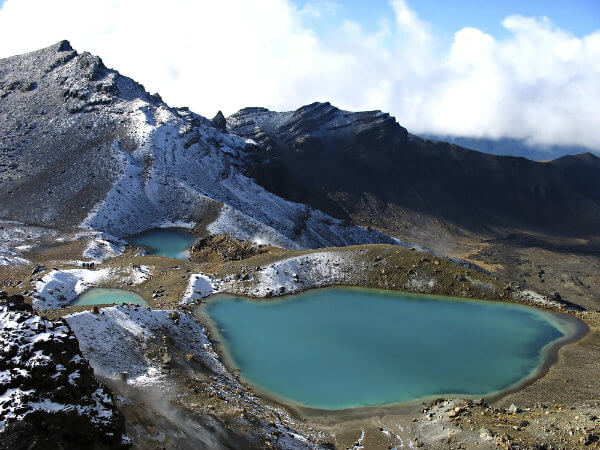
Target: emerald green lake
{"points": [[168, 242], [338, 348], [102, 296]]}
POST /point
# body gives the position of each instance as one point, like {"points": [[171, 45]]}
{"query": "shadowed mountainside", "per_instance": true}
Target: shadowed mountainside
{"points": [[364, 166]]}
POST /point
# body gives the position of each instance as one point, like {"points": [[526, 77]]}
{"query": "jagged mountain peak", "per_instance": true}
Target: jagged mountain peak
{"points": [[310, 128], [86, 146], [64, 46]]}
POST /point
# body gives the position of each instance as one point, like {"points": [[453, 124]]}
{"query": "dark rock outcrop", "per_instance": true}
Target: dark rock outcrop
{"points": [[50, 398], [219, 122], [223, 247]]}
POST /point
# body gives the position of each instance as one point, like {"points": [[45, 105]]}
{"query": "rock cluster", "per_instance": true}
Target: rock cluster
{"points": [[223, 247], [468, 423], [49, 397], [219, 122]]}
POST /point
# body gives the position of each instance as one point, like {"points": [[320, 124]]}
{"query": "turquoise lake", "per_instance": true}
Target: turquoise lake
{"points": [[102, 296], [168, 242], [338, 348]]}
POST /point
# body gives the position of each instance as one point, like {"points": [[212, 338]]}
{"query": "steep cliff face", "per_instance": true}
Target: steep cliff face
{"points": [[85, 146], [365, 167]]}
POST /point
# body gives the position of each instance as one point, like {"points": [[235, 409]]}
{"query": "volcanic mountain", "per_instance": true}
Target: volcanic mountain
{"points": [[366, 168], [84, 147], [88, 158]]}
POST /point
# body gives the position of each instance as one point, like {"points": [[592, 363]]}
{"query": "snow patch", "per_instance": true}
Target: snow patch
{"points": [[198, 287], [9, 257], [16, 237], [244, 228], [421, 283], [293, 275], [99, 250], [177, 224], [116, 340], [58, 288], [139, 274], [529, 296]]}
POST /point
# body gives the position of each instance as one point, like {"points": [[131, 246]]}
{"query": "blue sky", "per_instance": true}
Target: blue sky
{"points": [[526, 69], [580, 17], [446, 17]]}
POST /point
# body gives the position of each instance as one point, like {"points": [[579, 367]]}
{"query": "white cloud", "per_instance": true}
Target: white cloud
{"points": [[539, 83]]}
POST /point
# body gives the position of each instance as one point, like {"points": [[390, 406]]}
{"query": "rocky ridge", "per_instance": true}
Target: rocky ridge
{"points": [[365, 167], [84, 146]]}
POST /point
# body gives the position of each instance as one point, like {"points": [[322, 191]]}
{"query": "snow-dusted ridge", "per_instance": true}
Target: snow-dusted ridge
{"points": [[123, 162], [182, 165]]}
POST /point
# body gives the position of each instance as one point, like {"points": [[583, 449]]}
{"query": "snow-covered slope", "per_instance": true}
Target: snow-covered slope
{"points": [[108, 156], [167, 178]]}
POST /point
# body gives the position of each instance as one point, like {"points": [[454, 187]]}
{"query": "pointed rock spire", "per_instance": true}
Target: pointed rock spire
{"points": [[64, 46], [219, 122]]}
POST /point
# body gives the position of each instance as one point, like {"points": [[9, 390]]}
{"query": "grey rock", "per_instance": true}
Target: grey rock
{"points": [[513, 409]]}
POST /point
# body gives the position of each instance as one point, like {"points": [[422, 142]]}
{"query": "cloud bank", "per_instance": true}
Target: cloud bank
{"points": [[539, 83]]}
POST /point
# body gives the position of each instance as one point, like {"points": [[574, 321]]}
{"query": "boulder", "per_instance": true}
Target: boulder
{"points": [[513, 409]]}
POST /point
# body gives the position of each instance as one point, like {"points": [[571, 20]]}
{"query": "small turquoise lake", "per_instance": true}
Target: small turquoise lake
{"points": [[104, 296], [338, 348], [168, 242]]}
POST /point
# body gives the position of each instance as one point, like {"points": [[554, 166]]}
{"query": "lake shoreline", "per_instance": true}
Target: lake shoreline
{"points": [[548, 356], [566, 383]]}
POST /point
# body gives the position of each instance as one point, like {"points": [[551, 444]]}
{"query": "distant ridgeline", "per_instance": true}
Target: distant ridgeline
{"points": [[513, 147]]}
